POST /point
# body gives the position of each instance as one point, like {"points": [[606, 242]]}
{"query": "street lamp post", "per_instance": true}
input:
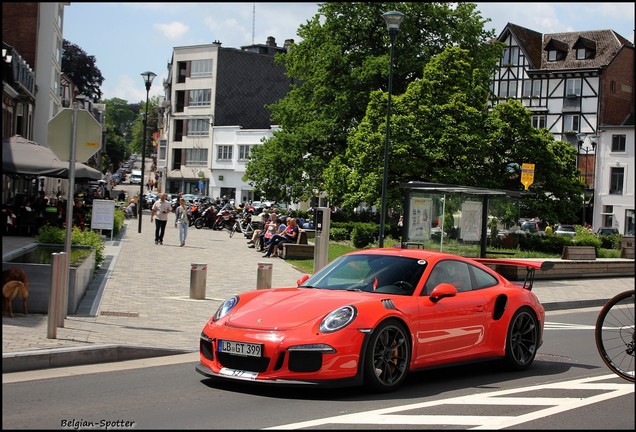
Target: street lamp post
{"points": [[393, 20], [591, 146], [148, 77]]}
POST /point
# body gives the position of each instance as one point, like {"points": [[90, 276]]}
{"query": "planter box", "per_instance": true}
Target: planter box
{"points": [[81, 274]]}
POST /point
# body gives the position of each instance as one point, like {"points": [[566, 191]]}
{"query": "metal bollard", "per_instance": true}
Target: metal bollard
{"points": [[264, 276], [57, 268], [64, 277], [198, 280]]}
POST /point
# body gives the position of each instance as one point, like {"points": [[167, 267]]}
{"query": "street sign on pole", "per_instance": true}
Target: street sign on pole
{"points": [[527, 174], [88, 135]]}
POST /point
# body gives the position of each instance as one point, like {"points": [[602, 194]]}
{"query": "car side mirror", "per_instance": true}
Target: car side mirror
{"points": [[301, 280], [442, 290]]}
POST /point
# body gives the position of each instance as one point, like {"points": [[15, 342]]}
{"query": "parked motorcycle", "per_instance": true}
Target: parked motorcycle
{"points": [[207, 218], [225, 218]]}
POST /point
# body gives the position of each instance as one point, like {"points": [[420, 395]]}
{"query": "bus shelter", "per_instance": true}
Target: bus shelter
{"points": [[428, 206]]}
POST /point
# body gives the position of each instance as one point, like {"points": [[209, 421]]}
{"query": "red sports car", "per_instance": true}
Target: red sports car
{"points": [[372, 316]]}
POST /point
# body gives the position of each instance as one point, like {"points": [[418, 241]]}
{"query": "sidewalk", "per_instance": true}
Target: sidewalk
{"points": [[139, 303]]}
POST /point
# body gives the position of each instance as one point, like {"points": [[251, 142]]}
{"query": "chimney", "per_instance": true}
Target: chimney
{"points": [[271, 41]]}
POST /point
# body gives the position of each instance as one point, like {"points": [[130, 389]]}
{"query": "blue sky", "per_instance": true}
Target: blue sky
{"points": [[130, 38]]}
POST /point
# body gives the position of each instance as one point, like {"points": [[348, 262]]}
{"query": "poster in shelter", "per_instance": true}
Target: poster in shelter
{"points": [[471, 221], [420, 220]]}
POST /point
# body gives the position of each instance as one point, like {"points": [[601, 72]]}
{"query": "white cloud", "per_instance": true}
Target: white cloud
{"points": [[174, 30]]}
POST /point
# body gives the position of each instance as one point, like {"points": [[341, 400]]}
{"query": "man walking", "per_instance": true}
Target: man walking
{"points": [[160, 209]]}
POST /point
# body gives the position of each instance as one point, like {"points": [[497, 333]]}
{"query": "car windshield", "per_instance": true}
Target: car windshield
{"points": [[568, 228], [369, 273]]}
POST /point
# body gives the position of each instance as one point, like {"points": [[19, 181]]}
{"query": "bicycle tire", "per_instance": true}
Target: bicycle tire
{"points": [[233, 230], [614, 335]]}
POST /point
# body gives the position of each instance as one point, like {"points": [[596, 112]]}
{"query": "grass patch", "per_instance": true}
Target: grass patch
{"points": [[470, 250]]}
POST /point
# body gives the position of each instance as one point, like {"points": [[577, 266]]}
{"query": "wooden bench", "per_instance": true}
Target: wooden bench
{"points": [[302, 249], [578, 253]]}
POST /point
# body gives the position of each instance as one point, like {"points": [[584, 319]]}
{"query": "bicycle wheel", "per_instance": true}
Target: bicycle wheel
{"points": [[614, 334], [235, 227]]}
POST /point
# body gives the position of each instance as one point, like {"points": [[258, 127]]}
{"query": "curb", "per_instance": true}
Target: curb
{"points": [[62, 357]]}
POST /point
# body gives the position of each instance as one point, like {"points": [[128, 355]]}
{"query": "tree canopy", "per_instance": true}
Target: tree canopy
{"points": [[334, 118], [81, 69]]}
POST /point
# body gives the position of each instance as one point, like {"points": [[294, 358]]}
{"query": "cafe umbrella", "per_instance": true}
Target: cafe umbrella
{"points": [[21, 156]]}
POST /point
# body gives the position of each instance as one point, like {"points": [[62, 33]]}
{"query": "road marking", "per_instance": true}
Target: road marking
{"points": [[551, 406], [566, 326]]}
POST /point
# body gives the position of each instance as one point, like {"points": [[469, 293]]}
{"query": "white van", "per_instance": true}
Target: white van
{"points": [[135, 177]]}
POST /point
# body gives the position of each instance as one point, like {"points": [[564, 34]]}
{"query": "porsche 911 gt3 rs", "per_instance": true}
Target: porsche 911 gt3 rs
{"points": [[372, 316]]}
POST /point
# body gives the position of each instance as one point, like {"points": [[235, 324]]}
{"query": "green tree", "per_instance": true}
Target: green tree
{"points": [[137, 128], [342, 59], [81, 69], [119, 119], [435, 135]]}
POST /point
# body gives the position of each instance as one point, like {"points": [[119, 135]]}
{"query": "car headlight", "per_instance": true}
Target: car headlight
{"points": [[338, 319], [225, 307]]}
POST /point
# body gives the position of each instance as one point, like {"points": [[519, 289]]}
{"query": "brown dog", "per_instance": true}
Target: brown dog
{"points": [[14, 283]]}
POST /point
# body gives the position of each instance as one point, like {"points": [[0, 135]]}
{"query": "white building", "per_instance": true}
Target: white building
{"points": [[213, 115]]}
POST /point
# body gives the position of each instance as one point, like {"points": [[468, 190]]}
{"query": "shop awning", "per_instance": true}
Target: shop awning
{"points": [[21, 156]]}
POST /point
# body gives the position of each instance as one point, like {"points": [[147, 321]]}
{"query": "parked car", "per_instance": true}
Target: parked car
{"points": [[373, 316], [530, 226], [565, 230], [607, 231], [150, 198]]}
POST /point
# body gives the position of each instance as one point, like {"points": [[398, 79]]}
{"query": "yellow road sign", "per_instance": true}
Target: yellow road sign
{"points": [[527, 174]]}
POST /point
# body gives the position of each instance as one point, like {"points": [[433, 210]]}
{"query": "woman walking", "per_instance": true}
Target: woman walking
{"points": [[181, 221]]}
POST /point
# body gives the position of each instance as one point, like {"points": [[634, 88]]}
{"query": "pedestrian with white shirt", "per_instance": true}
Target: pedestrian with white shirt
{"points": [[160, 210]]}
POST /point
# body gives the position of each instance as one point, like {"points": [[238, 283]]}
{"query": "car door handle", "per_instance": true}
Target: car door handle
{"points": [[480, 308]]}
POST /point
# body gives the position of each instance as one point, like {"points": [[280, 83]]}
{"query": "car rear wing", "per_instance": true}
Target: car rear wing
{"points": [[530, 265]]}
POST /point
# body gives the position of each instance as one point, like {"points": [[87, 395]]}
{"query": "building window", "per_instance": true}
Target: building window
{"points": [[163, 144], [613, 86], [199, 97], [196, 156], [224, 152], [618, 143], [571, 123], [201, 68], [552, 55], [198, 127], [532, 88], [510, 56], [244, 152], [538, 121], [617, 176], [507, 89], [608, 216], [629, 222], [581, 54], [573, 87]]}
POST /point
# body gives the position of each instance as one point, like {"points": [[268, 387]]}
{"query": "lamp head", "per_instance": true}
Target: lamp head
{"points": [[580, 137], [393, 20], [148, 77]]}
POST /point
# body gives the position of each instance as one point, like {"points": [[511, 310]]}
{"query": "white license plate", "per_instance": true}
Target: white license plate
{"points": [[240, 348]]}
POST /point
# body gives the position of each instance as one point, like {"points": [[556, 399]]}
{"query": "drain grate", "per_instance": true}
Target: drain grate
{"points": [[120, 314]]}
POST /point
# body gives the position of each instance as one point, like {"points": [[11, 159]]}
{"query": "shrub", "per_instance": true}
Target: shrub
{"points": [[610, 241], [363, 235], [339, 234], [85, 237]]}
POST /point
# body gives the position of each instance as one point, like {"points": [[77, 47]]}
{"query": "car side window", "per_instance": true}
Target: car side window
{"points": [[452, 272], [483, 279]]}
